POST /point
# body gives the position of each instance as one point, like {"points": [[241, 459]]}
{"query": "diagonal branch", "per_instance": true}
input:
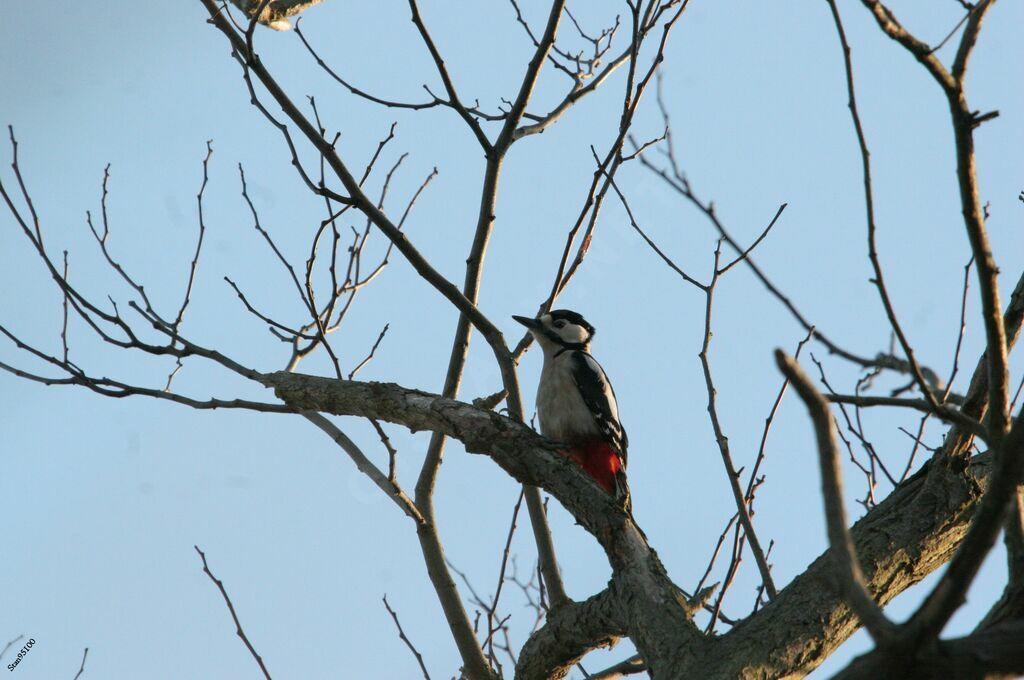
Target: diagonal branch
{"points": [[234, 617], [363, 464], [408, 643], [847, 567]]}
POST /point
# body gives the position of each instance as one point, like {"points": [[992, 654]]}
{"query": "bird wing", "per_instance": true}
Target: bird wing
{"points": [[598, 395]]}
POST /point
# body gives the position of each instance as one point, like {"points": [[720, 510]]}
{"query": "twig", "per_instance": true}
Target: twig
{"points": [[746, 253], [199, 241], [64, 324], [753, 482], [654, 246], [917, 444], [858, 432], [369, 357], [263, 317], [492, 611], [1016, 395], [714, 553], [176, 325], [9, 645], [408, 643], [81, 668], [234, 616], [956, 28], [678, 182], [387, 484], [449, 86], [960, 333], [738, 543]]}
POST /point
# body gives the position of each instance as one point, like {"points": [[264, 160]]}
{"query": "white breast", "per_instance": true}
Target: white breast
{"points": [[562, 413]]}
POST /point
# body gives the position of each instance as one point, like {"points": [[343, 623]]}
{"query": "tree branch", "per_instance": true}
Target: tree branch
{"points": [[568, 634], [847, 566], [234, 617]]}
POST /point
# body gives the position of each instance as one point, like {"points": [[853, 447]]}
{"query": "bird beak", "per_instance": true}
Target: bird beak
{"points": [[531, 324]]}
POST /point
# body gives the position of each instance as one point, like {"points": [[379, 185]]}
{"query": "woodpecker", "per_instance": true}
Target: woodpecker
{"points": [[575, 400]]}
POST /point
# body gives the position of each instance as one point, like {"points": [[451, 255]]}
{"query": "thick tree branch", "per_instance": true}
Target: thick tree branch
{"points": [[568, 634], [653, 615], [430, 541], [907, 536], [993, 653]]}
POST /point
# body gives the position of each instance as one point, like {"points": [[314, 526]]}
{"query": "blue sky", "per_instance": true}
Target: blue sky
{"points": [[104, 499]]}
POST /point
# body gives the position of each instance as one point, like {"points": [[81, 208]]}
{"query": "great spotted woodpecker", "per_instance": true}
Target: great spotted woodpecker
{"points": [[575, 401]]}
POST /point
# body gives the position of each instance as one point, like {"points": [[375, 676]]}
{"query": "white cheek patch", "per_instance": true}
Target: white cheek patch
{"points": [[572, 333]]}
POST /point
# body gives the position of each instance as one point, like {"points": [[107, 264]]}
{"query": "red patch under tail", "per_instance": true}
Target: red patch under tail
{"points": [[601, 461]]}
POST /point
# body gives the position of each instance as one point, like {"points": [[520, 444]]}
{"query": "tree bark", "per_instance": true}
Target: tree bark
{"points": [[914, 531]]}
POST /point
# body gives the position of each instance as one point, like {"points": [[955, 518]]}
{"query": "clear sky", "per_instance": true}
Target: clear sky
{"points": [[104, 499]]}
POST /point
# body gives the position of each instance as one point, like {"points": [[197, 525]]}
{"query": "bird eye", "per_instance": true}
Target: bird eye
{"points": [[559, 324]]}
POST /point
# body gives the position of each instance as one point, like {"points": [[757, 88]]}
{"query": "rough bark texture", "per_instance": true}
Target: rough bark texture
{"points": [[910, 534], [655, 618], [568, 633], [914, 531], [996, 652]]}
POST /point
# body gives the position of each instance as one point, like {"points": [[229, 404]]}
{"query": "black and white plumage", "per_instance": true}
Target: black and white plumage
{"points": [[576, 404]]}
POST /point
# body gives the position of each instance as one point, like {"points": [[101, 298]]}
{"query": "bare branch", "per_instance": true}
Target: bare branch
{"points": [[231, 608], [363, 464], [9, 645], [64, 323], [408, 643], [946, 413], [746, 253], [492, 610], [869, 204], [373, 350], [362, 93], [654, 246], [723, 441], [888, 22], [449, 86], [995, 652], [81, 667], [847, 566], [948, 594]]}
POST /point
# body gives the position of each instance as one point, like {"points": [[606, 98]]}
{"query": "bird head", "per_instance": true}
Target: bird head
{"points": [[559, 329]]}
